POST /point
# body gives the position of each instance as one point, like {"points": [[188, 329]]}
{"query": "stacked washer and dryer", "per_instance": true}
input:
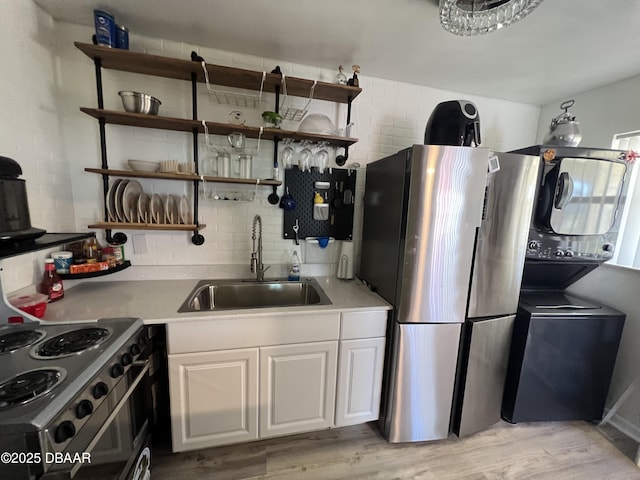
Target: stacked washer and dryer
{"points": [[564, 347]]}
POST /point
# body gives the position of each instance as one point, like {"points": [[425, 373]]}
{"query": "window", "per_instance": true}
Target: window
{"points": [[627, 251]]}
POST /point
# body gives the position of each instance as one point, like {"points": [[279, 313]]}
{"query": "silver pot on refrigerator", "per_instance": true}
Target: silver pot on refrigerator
{"points": [[564, 131], [15, 222]]}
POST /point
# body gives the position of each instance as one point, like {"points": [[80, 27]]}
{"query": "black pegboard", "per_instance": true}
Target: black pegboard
{"points": [[301, 186]]}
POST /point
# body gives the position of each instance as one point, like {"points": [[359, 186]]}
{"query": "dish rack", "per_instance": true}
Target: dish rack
{"points": [[221, 194], [290, 113], [235, 99]]}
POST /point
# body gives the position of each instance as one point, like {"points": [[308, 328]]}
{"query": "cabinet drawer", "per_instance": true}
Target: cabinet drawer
{"points": [[367, 324], [251, 331]]}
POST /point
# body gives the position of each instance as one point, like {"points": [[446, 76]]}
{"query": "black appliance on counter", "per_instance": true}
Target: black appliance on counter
{"points": [[74, 398], [15, 222], [455, 122], [564, 346]]}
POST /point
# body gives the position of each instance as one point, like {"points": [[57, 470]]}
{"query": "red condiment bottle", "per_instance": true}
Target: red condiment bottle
{"points": [[51, 284]]}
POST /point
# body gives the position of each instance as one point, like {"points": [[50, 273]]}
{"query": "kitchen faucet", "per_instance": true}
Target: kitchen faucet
{"points": [[256, 255]]}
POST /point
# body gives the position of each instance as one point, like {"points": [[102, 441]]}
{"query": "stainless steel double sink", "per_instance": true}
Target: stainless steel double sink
{"points": [[214, 295]]}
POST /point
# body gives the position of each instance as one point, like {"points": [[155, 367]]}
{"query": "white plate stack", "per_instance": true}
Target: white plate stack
{"points": [[128, 203]]}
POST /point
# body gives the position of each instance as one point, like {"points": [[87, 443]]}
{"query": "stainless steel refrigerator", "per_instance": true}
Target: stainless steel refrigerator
{"points": [[424, 208]]}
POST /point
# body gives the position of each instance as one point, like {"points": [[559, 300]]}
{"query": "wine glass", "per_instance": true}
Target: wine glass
{"points": [[305, 160]]}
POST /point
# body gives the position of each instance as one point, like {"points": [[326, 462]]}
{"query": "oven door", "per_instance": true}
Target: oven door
{"points": [[117, 444], [580, 196]]}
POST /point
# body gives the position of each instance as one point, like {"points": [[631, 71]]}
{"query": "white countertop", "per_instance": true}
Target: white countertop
{"points": [[158, 301]]}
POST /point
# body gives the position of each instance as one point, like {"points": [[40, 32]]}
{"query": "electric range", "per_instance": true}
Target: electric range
{"points": [[58, 385]]}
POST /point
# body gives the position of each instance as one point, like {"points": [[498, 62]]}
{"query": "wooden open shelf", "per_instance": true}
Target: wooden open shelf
{"points": [[147, 226], [184, 177], [136, 62], [184, 125], [214, 76]]}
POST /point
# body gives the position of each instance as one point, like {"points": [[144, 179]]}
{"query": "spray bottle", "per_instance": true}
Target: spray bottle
{"points": [[294, 267]]}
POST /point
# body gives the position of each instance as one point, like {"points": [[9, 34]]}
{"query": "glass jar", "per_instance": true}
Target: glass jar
{"points": [[118, 251], [109, 256], [92, 250]]}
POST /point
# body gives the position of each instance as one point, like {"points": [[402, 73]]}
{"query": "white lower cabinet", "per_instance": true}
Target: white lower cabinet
{"points": [[297, 387], [241, 379], [359, 381], [214, 398]]}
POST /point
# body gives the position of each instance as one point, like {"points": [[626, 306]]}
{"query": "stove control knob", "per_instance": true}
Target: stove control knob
{"points": [[142, 340], [533, 245], [117, 370], [135, 349], [64, 431], [559, 253], [568, 254], [84, 409], [100, 390], [608, 247], [126, 359]]}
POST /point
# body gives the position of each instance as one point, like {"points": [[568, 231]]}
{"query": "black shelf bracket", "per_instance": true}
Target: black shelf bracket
{"points": [[273, 197], [346, 149], [118, 237], [197, 238]]}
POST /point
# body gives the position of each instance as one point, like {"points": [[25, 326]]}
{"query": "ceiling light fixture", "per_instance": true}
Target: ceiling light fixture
{"points": [[475, 17]]}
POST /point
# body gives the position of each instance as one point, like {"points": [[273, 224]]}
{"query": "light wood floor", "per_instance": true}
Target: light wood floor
{"points": [[557, 451]]}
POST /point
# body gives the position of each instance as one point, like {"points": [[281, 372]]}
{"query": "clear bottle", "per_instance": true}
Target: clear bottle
{"points": [[92, 250], [51, 284], [294, 267]]}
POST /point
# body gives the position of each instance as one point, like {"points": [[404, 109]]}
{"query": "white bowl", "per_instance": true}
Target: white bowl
{"points": [[317, 123], [144, 166]]}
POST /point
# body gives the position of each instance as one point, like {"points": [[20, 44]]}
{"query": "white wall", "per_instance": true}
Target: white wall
{"points": [[602, 113], [389, 116], [618, 287], [30, 128]]}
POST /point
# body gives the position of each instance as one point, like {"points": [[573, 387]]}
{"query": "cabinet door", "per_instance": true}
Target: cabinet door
{"points": [[297, 387], [359, 381], [214, 398]]}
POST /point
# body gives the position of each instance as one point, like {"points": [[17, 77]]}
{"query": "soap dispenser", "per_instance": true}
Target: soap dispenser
{"points": [[294, 267]]}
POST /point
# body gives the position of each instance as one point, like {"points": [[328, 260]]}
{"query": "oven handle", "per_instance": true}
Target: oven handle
{"points": [[114, 413], [565, 190]]}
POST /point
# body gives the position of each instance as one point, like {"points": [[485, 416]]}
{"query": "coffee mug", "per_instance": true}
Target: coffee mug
{"points": [[236, 140]]}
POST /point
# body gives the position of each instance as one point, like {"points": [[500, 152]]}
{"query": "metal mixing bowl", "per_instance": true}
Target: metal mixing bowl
{"points": [[136, 102]]}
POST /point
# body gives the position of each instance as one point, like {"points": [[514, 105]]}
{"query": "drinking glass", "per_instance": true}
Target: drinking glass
{"points": [[305, 160], [322, 160], [287, 157]]}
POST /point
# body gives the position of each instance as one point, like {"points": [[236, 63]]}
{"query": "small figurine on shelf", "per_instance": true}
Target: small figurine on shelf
{"points": [[341, 78], [353, 81]]}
